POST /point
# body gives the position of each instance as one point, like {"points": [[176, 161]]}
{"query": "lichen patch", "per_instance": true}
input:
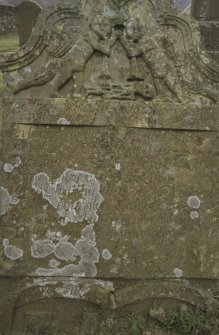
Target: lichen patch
{"points": [[178, 272], [63, 121], [42, 248], [106, 254], [85, 248], [117, 166], [6, 200], [9, 167], [61, 195], [11, 251], [73, 290], [194, 215], [194, 202]]}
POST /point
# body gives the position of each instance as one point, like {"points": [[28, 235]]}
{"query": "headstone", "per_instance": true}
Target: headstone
{"points": [[207, 13], [8, 24], [109, 195], [27, 14]]}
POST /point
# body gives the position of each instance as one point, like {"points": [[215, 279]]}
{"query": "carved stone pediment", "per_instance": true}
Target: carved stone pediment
{"points": [[141, 50]]}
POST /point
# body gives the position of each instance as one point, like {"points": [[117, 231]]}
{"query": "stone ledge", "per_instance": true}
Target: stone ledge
{"points": [[99, 113]]}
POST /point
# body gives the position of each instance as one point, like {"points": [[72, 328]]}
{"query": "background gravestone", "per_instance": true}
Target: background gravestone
{"points": [[207, 13], [27, 14], [21, 15], [7, 20], [110, 161]]}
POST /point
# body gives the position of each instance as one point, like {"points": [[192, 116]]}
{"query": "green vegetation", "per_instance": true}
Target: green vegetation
{"points": [[175, 322], [8, 43], [181, 323], [184, 322], [130, 324]]}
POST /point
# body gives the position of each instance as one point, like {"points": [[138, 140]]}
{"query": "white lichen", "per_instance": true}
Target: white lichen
{"points": [[65, 251], [85, 248], [78, 288], [73, 290], [194, 202], [9, 167], [194, 215], [117, 166], [178, 272], [83, 254], [42, 248], [83, 209], [6, 200], [11, 251], [106, 254], [63, 121]]}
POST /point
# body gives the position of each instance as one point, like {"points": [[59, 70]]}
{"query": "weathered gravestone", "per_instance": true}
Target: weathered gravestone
{"points": [[109, 196]]}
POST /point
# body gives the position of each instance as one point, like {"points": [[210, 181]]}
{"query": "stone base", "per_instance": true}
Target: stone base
{"points": [[81, 306]]}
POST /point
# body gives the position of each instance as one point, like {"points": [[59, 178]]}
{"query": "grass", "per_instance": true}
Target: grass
{"points": [[180, 322], [8, 43], [184, 322], [130, 324]]}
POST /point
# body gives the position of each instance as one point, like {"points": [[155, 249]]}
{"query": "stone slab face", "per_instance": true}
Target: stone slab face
{"points": [[109, 176]]}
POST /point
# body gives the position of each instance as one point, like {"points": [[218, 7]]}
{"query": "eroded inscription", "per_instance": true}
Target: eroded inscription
{"points": [[76, 196]]}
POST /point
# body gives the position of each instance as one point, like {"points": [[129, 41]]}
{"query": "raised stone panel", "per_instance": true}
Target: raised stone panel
{"points": [[139, 231]]}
